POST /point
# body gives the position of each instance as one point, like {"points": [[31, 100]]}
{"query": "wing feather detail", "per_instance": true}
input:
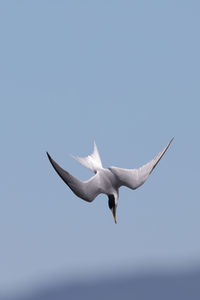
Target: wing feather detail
{"points": [[134, 178], [87, 190]]}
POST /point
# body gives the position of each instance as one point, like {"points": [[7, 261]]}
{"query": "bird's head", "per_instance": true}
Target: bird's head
{"points": [[112, 203]]}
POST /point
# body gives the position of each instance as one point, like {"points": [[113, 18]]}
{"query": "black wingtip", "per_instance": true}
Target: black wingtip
{"points": [[171, 141], [49, 157]]}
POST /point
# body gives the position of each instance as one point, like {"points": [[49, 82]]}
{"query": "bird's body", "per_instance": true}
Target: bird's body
{"points": [[106, 181]]}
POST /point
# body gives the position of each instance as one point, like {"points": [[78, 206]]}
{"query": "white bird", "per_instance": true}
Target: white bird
{"points": [[106, 181]]}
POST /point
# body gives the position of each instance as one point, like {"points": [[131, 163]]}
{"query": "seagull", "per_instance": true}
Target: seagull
{"points": [[106, 181]]}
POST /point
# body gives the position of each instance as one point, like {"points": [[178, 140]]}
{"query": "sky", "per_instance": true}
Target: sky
{"points": [[122, 73]]}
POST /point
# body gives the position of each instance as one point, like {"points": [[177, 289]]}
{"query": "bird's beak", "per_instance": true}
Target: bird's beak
{"points": [[114, 214]]}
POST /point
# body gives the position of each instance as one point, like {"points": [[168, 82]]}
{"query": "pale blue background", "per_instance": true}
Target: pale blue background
{"points": [[127, 74]]}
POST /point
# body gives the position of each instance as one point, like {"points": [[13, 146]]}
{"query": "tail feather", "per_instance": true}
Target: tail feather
{"points": [[92, 161]]}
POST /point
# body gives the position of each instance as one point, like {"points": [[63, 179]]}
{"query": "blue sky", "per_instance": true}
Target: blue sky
{"points": [[122, 73]]}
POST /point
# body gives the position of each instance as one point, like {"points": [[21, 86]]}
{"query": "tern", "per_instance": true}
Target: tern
{"points": [[106, 181]]}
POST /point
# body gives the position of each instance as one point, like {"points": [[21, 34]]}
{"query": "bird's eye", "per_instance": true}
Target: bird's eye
{"points": [[111, 201]]}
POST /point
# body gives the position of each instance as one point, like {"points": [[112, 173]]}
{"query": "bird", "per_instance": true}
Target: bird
{"points": [[106, 180]]}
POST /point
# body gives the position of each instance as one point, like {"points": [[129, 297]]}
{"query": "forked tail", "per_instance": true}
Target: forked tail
{"points": [[92, 161]]}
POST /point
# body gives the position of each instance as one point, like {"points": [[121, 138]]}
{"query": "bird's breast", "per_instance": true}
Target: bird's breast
{"points": [[108, 181]]}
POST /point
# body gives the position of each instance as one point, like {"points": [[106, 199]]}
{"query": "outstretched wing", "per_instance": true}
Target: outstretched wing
{"points": [[87, 190], [134, 178]]}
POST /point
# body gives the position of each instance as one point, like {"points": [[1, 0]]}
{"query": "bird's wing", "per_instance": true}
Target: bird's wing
{"points": [[87, 190], [134, 178]]}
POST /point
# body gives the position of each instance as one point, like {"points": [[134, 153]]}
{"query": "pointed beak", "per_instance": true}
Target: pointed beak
{"points": [[114, 214]]}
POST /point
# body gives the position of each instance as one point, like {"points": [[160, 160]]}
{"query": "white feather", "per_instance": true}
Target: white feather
{"points": [[92, 161]]}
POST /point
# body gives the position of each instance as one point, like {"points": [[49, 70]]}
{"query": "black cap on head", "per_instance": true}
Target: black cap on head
{"points": [[111, 201]]}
